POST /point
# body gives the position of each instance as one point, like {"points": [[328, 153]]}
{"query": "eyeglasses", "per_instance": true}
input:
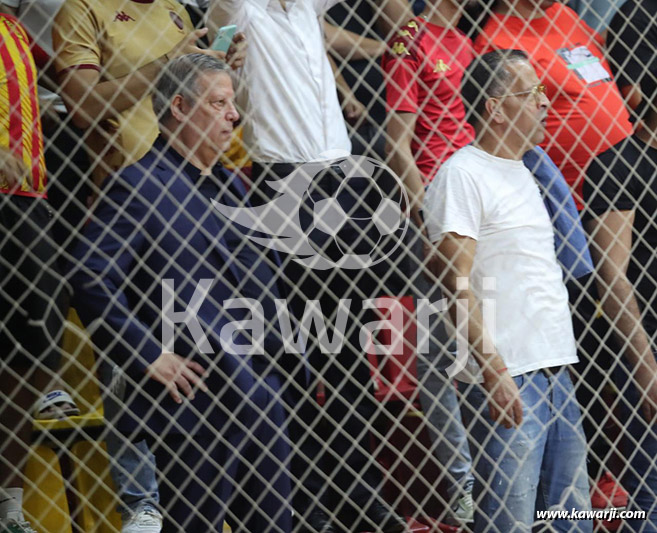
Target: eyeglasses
{"points": [[536, 91]]}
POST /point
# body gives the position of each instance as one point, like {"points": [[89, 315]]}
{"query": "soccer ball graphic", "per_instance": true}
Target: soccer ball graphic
{"points": [[352, 212]]}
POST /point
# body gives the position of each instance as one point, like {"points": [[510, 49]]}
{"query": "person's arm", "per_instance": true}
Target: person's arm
{"points": [[400, 132], [351, 106], [350, 45], [392, 15], [90, 100], [12, 170], [611, 233], [455, 255]]}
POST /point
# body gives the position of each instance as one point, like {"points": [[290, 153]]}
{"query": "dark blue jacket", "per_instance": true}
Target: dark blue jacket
{"points": [[152, 224]]}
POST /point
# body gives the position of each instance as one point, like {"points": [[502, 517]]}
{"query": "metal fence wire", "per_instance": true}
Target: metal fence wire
{"points": [[328, 266]]}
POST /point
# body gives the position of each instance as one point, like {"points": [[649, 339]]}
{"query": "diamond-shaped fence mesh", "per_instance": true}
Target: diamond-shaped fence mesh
{"points": [[379, 265]]}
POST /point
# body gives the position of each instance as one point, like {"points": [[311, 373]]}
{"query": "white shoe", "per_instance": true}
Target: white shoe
{"points": [[462, 512], [145, 521], [15, 526]]}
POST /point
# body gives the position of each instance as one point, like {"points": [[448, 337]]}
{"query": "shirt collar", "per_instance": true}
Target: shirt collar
{"points": [[265, 4], [180, 162]]}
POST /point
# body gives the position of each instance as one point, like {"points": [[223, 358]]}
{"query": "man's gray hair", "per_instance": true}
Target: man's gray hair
{"points": [[180, 76]]}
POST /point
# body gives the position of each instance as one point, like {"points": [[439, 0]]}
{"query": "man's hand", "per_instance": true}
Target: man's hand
{"points": [[188, 46], [351, 107], [177, 374], [504, 404], [236, 55], [646, 383], [12, 169]]}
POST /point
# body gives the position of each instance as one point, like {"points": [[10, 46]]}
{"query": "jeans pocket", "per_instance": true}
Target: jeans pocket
{"points": [[519, 380]]}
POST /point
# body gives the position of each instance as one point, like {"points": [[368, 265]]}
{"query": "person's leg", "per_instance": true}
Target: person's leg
{"points": [[639, 449], [564, 480], [195, 475], [439, 402], [30, 328], [437, 393], [17, 399], [311, 479], [132, 465], [507, 462], [263, 500], [592, 385], [344, 380]]}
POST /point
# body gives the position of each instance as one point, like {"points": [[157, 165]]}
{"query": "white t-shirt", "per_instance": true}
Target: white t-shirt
{"points": [[497, 202], [287, 87]]}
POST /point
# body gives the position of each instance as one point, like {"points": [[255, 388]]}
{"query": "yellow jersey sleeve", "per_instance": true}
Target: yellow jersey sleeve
{"points": [[76, 37]]}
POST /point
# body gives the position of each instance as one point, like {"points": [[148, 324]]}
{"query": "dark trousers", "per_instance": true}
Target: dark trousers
{"points": [[67, 164], [592, 375], [236, 475], [33, 294], [331, 461]]}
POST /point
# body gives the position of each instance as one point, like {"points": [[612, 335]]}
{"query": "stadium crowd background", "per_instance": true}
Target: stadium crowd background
{"points": [[376, 439]]}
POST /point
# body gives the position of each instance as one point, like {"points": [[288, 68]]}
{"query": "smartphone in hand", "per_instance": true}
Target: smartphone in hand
{"points": [[224, 38]]}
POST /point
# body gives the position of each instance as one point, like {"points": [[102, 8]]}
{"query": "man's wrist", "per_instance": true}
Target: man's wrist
{"points": [[494, 371]]}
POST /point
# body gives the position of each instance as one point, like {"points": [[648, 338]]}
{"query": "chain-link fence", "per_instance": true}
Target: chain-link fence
{"points": [[330, 266]]}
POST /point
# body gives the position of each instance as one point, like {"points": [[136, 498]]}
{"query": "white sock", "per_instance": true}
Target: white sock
{"points": [[11, 503]]}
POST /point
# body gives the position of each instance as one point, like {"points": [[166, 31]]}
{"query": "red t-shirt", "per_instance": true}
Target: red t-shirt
{"points": [[587, 115], [424, 67]]}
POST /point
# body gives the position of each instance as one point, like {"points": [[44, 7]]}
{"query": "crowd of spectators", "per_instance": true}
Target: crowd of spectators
{"points": [[523, 139]]}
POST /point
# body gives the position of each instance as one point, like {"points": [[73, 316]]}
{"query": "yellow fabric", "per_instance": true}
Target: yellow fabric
{"points": [[236, 156], [45, 502], [117, 37], [77, 367], [45, 499]]}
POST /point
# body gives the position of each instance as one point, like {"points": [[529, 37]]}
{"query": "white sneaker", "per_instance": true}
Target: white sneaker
{"points": [[9, 525], [144, 521], [462, 512]]}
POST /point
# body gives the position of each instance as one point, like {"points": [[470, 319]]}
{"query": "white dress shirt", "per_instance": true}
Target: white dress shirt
{"points": [[286, 90]]}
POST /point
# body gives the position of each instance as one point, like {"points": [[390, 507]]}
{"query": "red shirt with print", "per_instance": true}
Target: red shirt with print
{"points": [[424, 66]]}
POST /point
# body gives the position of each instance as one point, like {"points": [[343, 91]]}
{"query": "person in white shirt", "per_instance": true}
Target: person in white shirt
{"points": [[494, 245], [287, 96], [288, 90]]}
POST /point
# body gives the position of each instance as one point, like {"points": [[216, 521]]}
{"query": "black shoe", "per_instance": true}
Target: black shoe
{"points": [[384, 519], [317, 522]]}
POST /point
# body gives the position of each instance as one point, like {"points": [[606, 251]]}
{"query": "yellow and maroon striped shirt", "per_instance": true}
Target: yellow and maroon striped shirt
{"points": [[20, 124]]}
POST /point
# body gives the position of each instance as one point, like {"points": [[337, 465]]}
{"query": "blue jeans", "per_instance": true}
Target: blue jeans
{"points": [[449, 438], [539, 465], [437, 393], [132, 465], [640, 449]]}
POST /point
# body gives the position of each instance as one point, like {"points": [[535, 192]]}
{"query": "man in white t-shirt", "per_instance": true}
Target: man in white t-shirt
{"points": [[495, 247]]}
